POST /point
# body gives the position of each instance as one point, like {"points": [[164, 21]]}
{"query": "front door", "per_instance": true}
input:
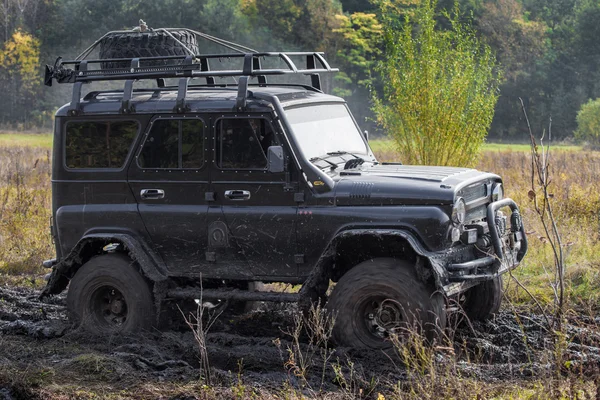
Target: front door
{"points": [[252, 222], [169, 179]]}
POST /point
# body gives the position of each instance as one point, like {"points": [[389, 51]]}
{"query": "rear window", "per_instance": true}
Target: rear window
{"points": [[99, 144]]}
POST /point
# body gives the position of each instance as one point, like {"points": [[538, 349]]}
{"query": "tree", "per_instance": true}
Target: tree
{"points": [[359, 46], [440, 87], [19, 72], [588, 123]]}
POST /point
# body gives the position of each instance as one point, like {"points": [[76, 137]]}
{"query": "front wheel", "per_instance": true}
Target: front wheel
{"points": [[108, 295], [380, 298], [483, 301]]}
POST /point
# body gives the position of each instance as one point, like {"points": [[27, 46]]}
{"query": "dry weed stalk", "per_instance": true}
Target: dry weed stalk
{"points": [[200, 329], [541, 180], [318, 326]]}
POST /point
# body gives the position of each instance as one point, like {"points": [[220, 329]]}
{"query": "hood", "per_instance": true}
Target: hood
{"points": [[394, 184]]}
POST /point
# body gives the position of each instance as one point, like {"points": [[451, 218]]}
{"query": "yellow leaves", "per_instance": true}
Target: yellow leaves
{"points": [[360, 30], [21, 56]]}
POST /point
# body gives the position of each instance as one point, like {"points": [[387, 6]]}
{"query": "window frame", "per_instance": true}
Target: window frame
{"points": [[216, 137], [179, 142], [99, 120]]}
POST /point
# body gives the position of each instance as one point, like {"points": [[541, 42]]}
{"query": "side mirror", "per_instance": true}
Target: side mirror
{"points": [[276, 159], [367, 135]]}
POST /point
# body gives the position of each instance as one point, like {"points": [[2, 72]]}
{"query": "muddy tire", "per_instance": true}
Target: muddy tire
{"points": [[108, 295], [484, 300], [383, 296], [146, 44]]}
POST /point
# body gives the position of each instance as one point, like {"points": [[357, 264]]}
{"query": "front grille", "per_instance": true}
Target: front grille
{"points": [[476, 214], [473, 192]]}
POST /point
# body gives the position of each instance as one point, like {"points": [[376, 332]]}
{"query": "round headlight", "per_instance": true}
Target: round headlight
{"points": [[459, 211], [497, 192]]}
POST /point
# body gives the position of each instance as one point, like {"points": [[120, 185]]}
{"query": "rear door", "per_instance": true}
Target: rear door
{"points": [[256, 207], [169, 179]]}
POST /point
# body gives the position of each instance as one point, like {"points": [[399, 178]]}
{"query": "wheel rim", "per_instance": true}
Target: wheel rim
{"points": [[109, 307], [382, 317]]}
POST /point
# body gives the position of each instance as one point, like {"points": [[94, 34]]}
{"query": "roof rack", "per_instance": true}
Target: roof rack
{"points": [[81, 71]]}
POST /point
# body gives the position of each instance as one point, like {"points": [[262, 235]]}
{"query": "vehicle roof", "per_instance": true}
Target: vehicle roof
{"points": [[198, 99]]}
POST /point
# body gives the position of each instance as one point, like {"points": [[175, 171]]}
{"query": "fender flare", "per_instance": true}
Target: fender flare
{"points": [[313, 286], [152, 267]]}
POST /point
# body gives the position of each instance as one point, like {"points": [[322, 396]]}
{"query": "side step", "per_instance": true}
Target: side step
{"points": [[231, 294]]}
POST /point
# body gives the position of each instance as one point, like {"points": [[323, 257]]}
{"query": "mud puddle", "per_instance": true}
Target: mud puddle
{"points": [[256, 349]]}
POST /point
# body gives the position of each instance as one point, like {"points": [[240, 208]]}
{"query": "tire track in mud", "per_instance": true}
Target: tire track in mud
{"points": [[34, 333]]}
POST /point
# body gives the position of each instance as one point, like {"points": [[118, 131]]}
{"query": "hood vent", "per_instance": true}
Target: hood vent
{"points": [[361, 190]]}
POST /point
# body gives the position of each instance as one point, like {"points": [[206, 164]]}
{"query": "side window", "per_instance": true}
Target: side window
{"points": [[243, 143], [98, 144], [174, 143]]}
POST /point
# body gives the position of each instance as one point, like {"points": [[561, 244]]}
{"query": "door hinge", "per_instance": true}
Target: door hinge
{"points": [[209, 196]]}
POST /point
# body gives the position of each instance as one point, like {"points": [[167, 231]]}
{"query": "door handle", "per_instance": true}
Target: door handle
{"points": [[237, 195], [152, 194]]}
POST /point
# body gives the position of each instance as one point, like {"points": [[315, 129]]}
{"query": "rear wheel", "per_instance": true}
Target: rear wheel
{"points": [[380, 298], [108, 295], [484, 300]]}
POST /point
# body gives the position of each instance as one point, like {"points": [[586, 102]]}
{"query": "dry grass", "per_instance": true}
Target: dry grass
{"points": [[25, 209]]}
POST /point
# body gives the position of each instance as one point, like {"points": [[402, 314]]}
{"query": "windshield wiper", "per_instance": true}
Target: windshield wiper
{"points": [[350, 164], [332, 164], [342, 152]]}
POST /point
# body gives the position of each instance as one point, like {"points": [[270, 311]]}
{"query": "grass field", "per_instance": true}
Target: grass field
{"points": [[14, 139]]}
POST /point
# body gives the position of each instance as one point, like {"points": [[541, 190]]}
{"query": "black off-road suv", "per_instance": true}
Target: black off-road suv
{"points": [[200, 189]]}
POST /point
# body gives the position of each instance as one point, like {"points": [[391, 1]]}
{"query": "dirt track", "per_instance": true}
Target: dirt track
{"points": [[39, 351]]}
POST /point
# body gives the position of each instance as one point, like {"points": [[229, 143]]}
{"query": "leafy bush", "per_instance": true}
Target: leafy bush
{"points": [[588, 123], [440, 86]]}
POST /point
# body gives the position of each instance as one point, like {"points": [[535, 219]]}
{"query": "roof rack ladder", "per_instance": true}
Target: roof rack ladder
{"points": [[315, 79], [76, 96], [126, 107]]}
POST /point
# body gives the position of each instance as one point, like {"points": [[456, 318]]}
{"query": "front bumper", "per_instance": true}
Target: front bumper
{"points": [[508, 247]]}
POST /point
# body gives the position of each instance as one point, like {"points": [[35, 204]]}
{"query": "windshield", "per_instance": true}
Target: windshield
{"points": [[326, 128]]}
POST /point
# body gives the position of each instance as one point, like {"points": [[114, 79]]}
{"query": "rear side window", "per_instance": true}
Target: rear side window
{"points": [[98, 144], [173, 144]]}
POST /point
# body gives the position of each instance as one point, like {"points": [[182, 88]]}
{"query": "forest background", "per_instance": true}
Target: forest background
{"points": [[548, 49]]}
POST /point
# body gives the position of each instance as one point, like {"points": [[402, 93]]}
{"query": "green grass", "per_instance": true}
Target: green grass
{"points": [[378, 145], [26, 139]]}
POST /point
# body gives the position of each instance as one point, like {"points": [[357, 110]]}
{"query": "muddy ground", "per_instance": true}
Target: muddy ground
{"points": [[41, 356]]}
